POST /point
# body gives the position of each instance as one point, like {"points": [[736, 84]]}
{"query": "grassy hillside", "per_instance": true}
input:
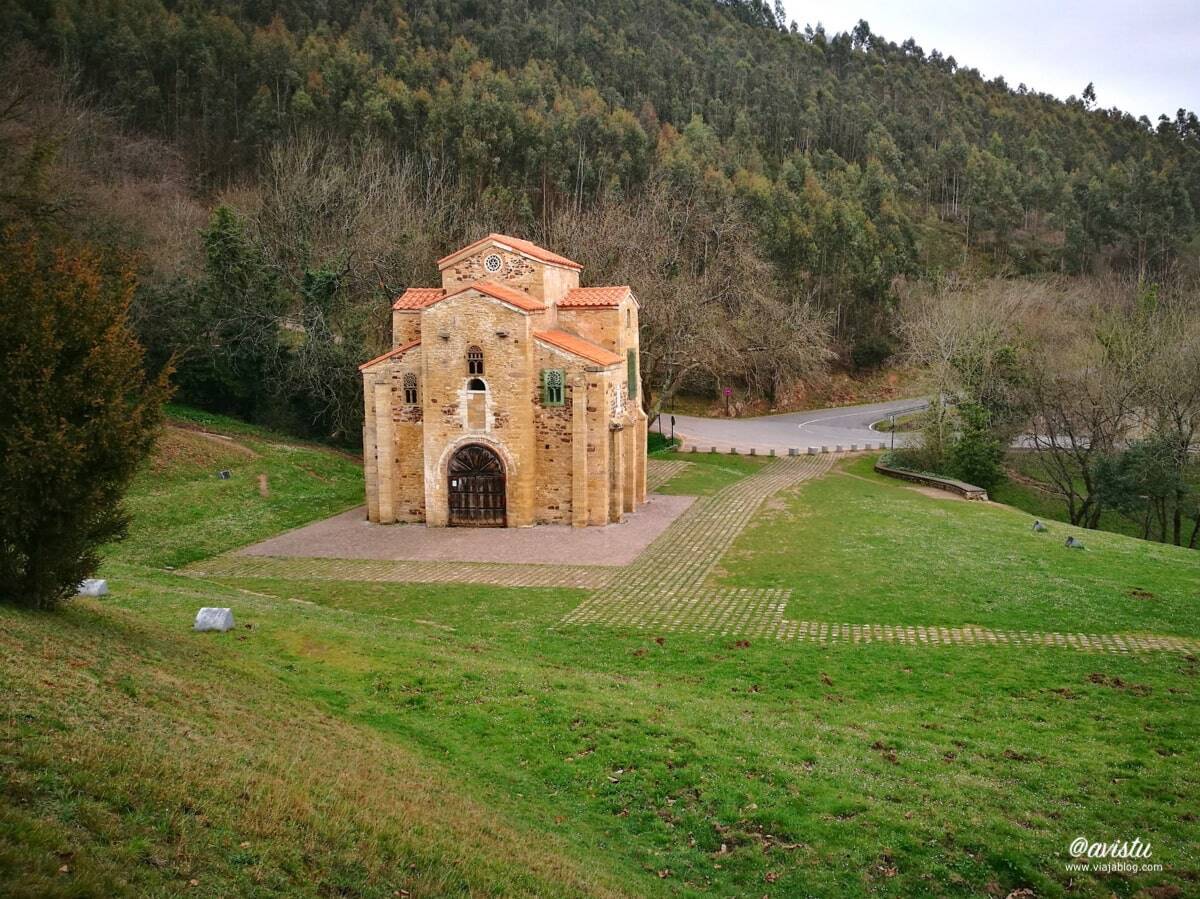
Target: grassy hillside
{"points": [[365, 739]]}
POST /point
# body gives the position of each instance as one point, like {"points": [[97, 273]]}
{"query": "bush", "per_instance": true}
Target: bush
{"points": [[656, 442], [975, 457], [870, 352], [77, 416]]}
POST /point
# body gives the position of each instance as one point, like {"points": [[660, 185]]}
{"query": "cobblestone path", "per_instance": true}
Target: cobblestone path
{"points": [[668, 581], [585, 577], [667, 588], [582, 577], [659, 471]]}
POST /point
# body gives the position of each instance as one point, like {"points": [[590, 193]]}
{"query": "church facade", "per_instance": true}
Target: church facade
{"points": [[510, 397]]}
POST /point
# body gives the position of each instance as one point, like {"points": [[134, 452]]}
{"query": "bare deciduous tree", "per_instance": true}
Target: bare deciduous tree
{"points": [[710, 305]]}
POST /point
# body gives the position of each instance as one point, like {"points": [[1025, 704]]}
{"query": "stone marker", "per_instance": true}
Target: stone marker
{"points": [[1072, 543], [1038, 527], [211, 619], [93, 586]]}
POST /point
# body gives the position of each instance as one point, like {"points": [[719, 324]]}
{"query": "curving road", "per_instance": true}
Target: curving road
{"points": [[822, 429]]}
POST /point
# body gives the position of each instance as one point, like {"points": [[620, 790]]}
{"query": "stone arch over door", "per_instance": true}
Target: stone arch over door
{"points": [[477, 487]]}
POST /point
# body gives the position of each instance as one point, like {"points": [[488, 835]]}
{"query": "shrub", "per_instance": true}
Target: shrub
{"points": [[77, 415], [975, 457], [656, 441], [870, 352]]}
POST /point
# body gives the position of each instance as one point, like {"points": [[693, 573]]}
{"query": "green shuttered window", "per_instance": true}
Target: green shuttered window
{"points": [[552, 386]]}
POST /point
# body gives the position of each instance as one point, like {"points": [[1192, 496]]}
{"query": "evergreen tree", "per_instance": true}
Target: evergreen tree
{"points": [[78, 415]]}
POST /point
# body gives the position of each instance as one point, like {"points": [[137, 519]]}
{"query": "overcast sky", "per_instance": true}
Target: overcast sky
{"points": [[1143, 55]]}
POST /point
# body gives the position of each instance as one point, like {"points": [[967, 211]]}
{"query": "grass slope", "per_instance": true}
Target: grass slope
{"points": [[361, 739], [708, 472]]}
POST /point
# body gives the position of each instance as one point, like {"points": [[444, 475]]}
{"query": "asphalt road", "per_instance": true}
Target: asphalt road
{"points": [[845, 426]]}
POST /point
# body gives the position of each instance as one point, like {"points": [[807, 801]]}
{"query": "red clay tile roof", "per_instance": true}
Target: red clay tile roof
{"points": [[390, 354], [517, 244], [507, 294], [418, 297], [578, 346], [594, 297]]}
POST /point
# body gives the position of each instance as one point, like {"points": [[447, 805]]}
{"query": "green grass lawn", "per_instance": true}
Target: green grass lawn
{"points": [[708, 472], [862, 548], [360, 739], [183, 511]]}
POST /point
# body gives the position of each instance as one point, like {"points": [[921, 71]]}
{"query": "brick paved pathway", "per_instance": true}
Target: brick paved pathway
{"points": [[667, 589], [669, 578], [586, 577], [659, 471]]}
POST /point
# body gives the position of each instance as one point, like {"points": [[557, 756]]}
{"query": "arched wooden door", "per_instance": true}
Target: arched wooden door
{"points": [[476, 488]]}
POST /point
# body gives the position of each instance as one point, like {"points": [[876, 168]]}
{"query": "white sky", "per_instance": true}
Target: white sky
{"points": [[1143, 55]]}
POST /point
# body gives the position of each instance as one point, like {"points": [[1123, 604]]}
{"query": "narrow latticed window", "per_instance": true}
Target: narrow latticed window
{"points": [[552, 386], [410, 389], [632, 375], [474, 361]]}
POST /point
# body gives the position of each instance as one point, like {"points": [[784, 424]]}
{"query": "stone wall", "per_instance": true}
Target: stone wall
{"points": [[553, 429], [406, 326], [516, 271], [543, 282], [408, 481], [507, 426], [580, 463], [599, 324]]}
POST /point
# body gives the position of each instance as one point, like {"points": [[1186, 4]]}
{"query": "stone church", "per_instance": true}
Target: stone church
{"points": [[510, 397]]}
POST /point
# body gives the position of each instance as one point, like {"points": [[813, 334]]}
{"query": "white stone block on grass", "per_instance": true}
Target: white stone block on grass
{"points": [[93, 586], [211, 619]]}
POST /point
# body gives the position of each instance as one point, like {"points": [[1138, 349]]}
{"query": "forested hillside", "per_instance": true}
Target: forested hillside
{"points": [[755, 180]]}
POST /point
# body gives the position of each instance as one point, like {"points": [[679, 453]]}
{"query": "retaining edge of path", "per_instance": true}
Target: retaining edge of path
{"points": [[962, 488], [688, 446]]}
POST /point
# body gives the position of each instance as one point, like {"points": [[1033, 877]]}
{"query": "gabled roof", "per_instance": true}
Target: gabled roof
{"points": [[595, 297], [577, 346], [418, 297], [390, 354], [505, 294], [517, 245]]}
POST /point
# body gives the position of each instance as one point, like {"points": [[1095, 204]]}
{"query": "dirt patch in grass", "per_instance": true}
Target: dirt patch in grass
{"points": [[180, 448]]}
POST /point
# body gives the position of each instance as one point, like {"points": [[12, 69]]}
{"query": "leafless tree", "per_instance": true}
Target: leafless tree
{"points": [[710, 306]]}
